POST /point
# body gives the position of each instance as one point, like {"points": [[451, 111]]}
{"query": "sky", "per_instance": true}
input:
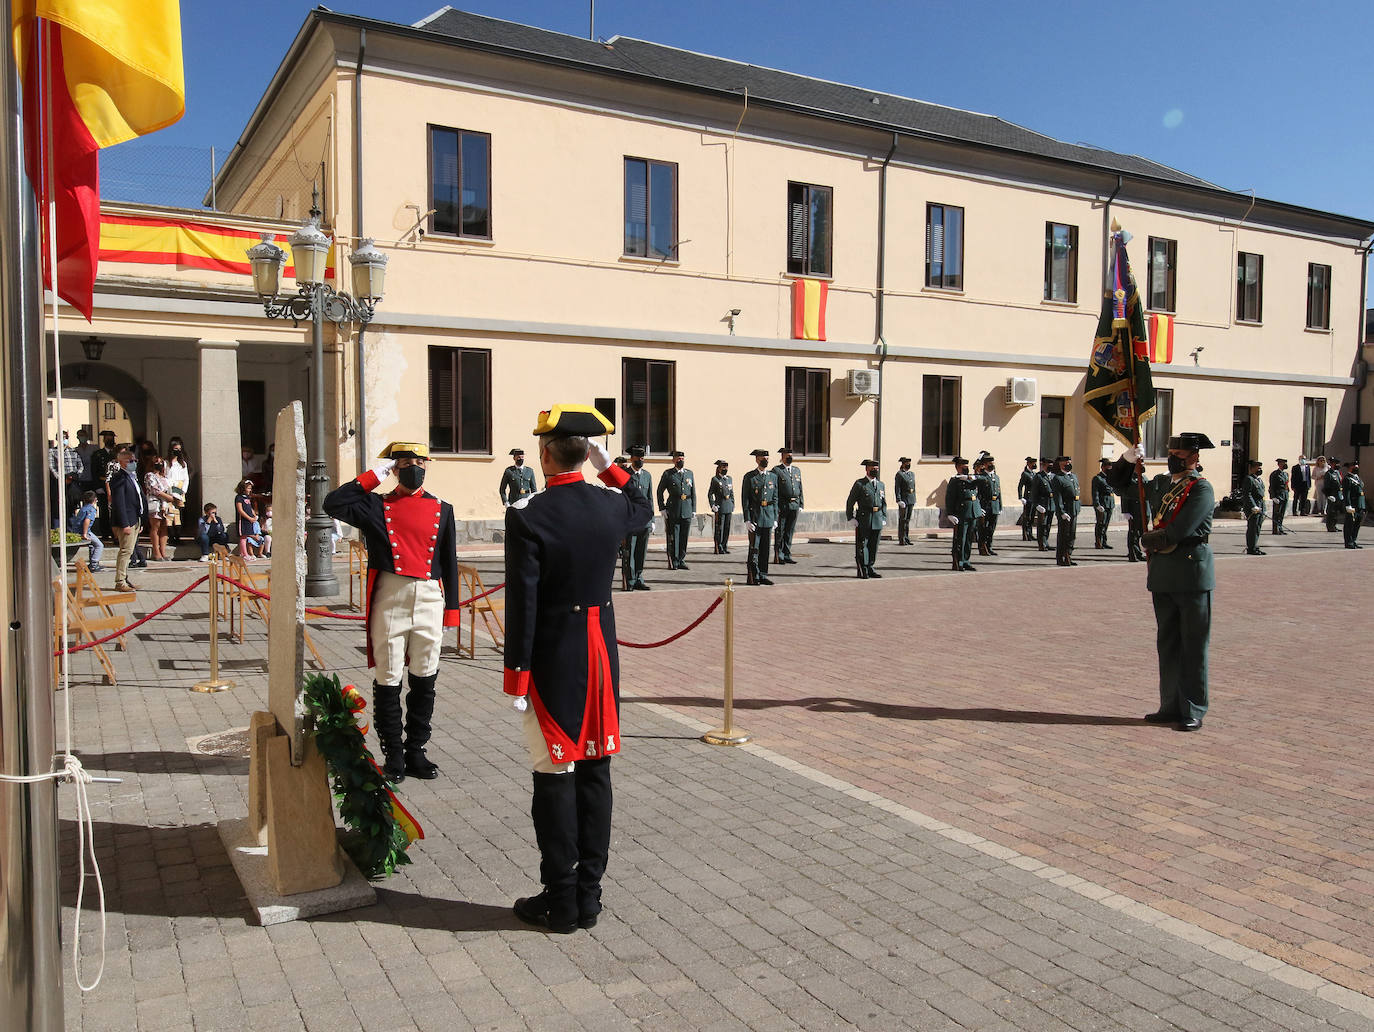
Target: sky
{"points": [[1263, 95]]}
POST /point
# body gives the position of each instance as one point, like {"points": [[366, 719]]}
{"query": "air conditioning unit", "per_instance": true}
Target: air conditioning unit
{"points": [[1020, 391], [861, 383]]}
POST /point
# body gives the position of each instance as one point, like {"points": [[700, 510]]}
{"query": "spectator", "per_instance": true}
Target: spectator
{"points": [[269, 466], [251, 462], [267, 529], [1302, 483], [85, 447], [126, 512], [179, 477], [1319, 469], [158, 492], [83, 523], [101, 460], [249, 530], [210, 531], [70, 474]]}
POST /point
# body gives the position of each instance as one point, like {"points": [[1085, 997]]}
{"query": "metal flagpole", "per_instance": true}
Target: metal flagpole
{"points": [[30, 912]]}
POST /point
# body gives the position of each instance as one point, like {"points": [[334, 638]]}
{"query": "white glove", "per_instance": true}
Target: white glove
{"points": [[653, 527], [1128, 516], [901, 505], [505, 505], [1064, 516], [1134, 454], [600, 457], [1025, 502], [521, 704], [751, 527], [383, 469], [1100, 508], [715, 508], [854, 523], [1040, 509], [1254, 512], [884, 523], [1350, 509], [953, 520]]}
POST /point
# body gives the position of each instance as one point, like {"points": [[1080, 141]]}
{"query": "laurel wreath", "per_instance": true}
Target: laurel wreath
{"points": [[374, 839]]}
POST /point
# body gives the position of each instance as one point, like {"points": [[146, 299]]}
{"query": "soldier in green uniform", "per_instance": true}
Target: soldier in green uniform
{"points": [[989, 500], [1252, 500], [677, 501], [1181, 576], [1136, 523], [904, 483], [790, 502], [1104, 504], [1042, 502], [1352, 488], [759, 503], [1067, 506], [1331, 487], [962, 510], [1025, 487], [1278, 495], [517, 481], [866, 510], [637, 545], [721, 496]]}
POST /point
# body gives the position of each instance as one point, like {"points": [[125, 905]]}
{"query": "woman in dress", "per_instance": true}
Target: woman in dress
{"points": [[179, 476], [1319, 469], [157, 492]]}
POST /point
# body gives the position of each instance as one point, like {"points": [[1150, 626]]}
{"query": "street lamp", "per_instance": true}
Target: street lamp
{"points": [[316, 300]]}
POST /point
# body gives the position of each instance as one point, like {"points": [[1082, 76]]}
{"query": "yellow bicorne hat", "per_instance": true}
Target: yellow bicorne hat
{"points": [[573, 421], [405, 450]]}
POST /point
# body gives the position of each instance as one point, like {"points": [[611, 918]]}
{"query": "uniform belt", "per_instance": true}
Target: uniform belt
{"points": [[573, 607], [1188, 542]]}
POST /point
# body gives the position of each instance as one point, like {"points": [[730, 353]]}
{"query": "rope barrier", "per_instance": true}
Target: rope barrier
{"points": [[350, 616], [674, 637], [137, 623]]}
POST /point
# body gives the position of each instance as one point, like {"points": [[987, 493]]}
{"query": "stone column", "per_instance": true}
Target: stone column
{"points": [[221, 465]]}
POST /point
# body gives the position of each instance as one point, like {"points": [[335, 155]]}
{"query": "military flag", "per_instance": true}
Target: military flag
{"points": [[1119, 391]]}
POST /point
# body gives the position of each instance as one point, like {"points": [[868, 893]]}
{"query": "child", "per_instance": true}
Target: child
{"points": [[210, 531], [83, 523], [267, 530]]}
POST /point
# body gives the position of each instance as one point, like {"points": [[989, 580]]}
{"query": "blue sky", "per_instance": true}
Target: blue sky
{"points": [[1261, 95]]}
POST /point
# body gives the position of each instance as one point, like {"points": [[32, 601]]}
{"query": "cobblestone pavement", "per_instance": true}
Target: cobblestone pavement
{"points": [[953, 817]]}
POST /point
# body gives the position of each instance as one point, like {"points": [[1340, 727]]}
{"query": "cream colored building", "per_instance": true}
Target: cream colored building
{"points": [[623, 221]]}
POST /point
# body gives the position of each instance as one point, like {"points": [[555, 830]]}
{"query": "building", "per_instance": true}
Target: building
{"points": [[628, 222]]}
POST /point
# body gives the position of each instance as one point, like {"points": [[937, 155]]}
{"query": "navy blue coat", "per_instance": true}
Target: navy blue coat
{"points": [[126, 501]]}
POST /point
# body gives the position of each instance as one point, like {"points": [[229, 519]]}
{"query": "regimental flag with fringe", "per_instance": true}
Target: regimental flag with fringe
{"points": [[1119, 391], [1161, 338], [808, 309], [95, 73]]}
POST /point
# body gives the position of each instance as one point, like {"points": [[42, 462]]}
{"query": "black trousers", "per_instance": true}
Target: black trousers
{"points": [[1352, 527], [677, 539], [1280, 511], [636, 548], [1026, 521], [572, 825], [866, 549], [721, 531], [1064, 539], [759, 539], [1301, 506], [1133, 532], [961, 541], [1252, 530], [1101, 521], [904, 524], [1334, 510], [782, 535], [1042, 528]]}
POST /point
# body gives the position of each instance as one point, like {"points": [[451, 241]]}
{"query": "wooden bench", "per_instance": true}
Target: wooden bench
{"points": [[88, 595], [83, 628], [357, 573], [489, 608], [260, 579]]}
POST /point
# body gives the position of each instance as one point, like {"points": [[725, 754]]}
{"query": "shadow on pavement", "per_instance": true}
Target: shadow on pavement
{"points": [[164, 763], [412, 910], [837, 704]]}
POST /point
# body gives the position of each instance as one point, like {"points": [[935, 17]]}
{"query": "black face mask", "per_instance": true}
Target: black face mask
{"points": [[411, 477], [1068, 467], [1176, 465]]}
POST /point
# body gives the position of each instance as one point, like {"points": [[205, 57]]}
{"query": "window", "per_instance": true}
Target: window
{"points": [[1159, 427], [1052, 427], [649, 404], [109, 410], [944, 246], [1163, 256], [939, 417], [807, 404], [460, 182], [459, 400], [1061, 262], [1313, 426], [650, 209], [1318, 297], [808, 229], [1249, 287]]}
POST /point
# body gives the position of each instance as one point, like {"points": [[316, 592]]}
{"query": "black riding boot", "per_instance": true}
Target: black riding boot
{"points": [[593, 834], [419, 712], [554, 810], [386, 715]]}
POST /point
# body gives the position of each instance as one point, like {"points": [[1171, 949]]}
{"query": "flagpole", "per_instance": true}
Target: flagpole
{"points": [[30, 913]]}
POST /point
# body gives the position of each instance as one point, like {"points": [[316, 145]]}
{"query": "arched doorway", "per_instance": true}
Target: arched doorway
{"points": [[84, 382]]}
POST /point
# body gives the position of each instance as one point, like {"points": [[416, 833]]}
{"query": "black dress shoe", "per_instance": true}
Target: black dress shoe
{"points": [[1108, 546], [535, 910], [957, 567], [683, 566], [587, 920], [991, 552], [875, 574], [970, 568], [1191, 724], [790, 561], [765, 580], [641, 586], [863, 575], [419, 766], [1161, 717], [1070, 562]]}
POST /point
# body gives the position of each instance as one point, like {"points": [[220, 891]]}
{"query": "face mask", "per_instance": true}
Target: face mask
{"points": [[520, 460], [1354, 469], [637, 463], [131, 465], [872, 474], [1176, 465], [411, 477], [677, 464], [763, 462]]}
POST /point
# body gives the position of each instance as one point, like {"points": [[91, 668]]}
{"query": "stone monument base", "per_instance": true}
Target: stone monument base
{"points": [[250, 861]]}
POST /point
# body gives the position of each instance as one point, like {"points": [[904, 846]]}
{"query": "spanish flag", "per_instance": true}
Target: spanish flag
{"points": [[808, 309], [185, 243], [96, 73], [1161, 339]]}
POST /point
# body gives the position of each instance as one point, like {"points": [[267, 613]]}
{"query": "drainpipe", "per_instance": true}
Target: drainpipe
{"points": [[1106, 233], [1361, 365], [360, 361], [878, 328]]}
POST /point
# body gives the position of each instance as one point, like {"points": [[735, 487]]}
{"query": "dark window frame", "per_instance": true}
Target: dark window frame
{"points": [[937, 425], [1160, 427], [1170, 289], [1071, 276], [630, 426], [1057, 448], [1243, 313], [433, 220], [947, 280], [1313, 427], [814, 438], [649, 165], [807, 265], [1320, 296], [456, 444]]}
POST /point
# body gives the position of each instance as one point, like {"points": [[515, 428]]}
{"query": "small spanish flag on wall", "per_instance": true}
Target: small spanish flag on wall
{"points": [[808, 309], [1161, 339]]}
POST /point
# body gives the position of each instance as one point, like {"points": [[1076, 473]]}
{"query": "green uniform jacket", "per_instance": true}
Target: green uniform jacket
{"points": [[1065, 487], [759, 497], [1026, 485], [1102, 493], [677, 494], [867, 503], [517, 482], [1189, 566], [961, 498], [1353, 487], [1130, 496], [721, 494], [789, 486], [1331, 484], [989, 493], [1042, 493], [644, 480], [1278, 485], [904, 483], [1252, 492]]}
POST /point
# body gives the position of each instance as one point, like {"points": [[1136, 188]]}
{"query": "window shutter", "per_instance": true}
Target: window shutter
{"points": [[936, 248], [796, 225]]}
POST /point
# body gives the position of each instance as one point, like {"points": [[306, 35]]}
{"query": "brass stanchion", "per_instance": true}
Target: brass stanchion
{"points": [[213, 683], [729, 734]]}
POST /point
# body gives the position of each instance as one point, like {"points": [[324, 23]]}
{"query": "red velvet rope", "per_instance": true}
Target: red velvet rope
{"points": [[352, 616], [672, 638], [137, 623]]}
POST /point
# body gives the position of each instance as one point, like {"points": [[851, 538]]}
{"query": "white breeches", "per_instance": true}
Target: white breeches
{"points": [[406, 618]]}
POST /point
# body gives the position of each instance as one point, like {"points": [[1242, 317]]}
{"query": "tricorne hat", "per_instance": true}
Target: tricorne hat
{"points": [[405, 450], [517, 451], [572, 421], [1190, 442], [760, 451]]}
